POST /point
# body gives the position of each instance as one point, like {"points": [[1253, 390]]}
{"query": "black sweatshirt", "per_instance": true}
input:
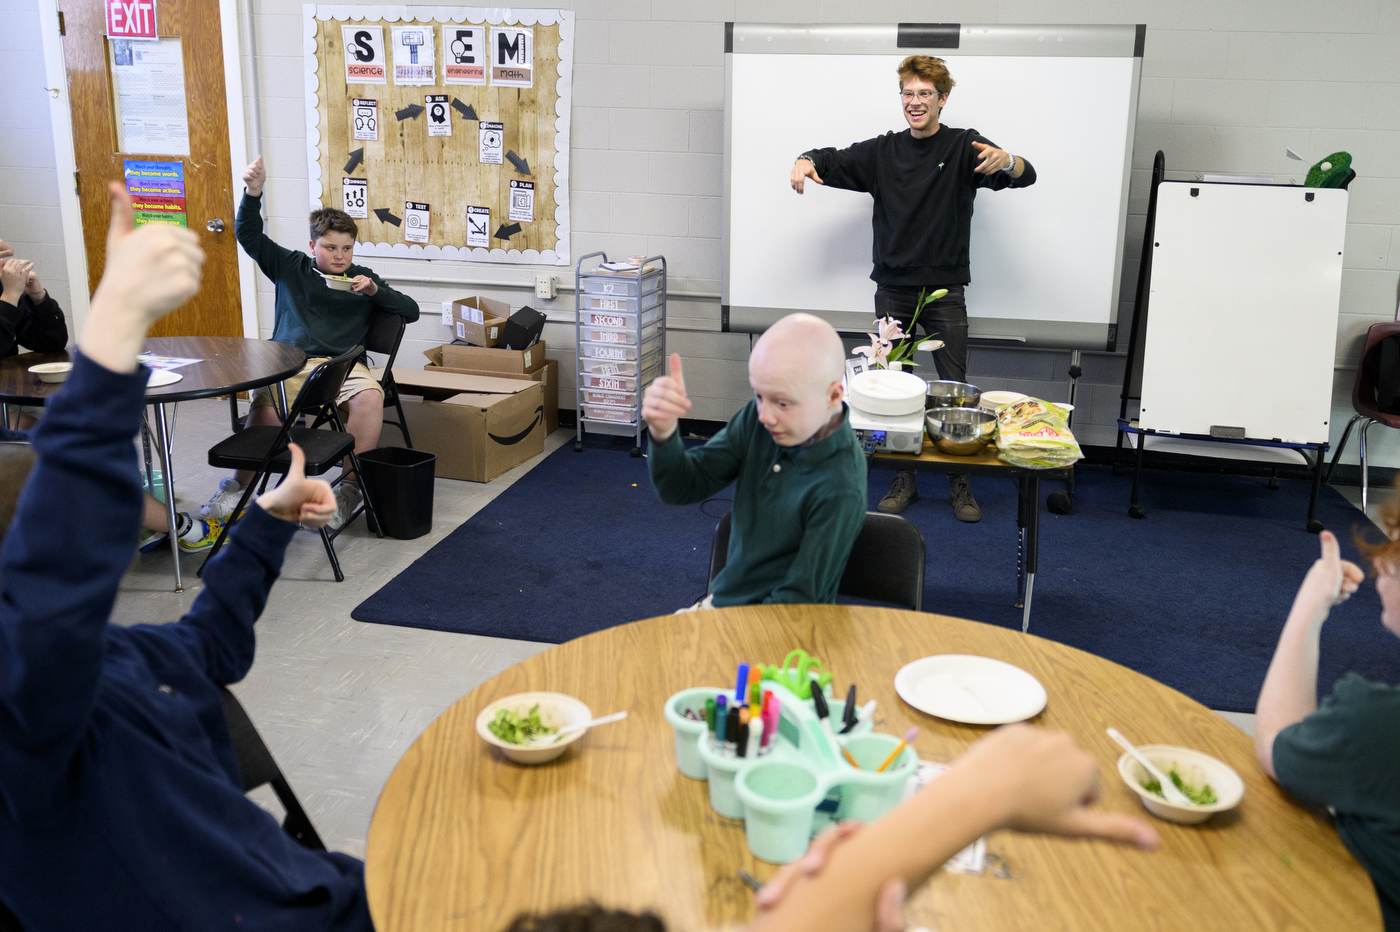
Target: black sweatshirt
{"points": [[923, 190], [39, 327]]}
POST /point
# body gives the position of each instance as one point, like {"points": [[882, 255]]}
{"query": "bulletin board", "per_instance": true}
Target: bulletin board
{"points": [[443, 130]]}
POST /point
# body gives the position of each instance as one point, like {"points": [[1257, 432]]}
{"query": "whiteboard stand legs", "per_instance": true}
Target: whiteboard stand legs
{"points": [[1134, 509], [1026, 612], [1314, 526]]}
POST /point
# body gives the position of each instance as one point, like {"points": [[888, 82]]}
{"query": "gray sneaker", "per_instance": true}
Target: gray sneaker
{"points": [[348, 497], [903, 493], [960, 497], [222, 502]]}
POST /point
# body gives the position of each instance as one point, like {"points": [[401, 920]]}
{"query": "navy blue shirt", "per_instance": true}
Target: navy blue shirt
{"points": [[120, 795]]}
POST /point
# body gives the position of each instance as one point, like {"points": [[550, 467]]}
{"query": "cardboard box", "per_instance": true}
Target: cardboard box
{"points": [[548, 377], [479, 321], [482, 359], [479, 426]]}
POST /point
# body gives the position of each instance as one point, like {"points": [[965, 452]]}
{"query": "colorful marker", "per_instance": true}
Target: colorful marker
{"points": [[710, 715], [721, 718], [741, 684], [731, 728]]}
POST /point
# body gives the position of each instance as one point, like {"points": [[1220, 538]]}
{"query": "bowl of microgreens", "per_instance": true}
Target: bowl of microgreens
{"points": [[521, 725], [1211, 785]]}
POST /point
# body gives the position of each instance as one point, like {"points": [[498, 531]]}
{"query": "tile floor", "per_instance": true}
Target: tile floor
{"points": [[337, 701]]}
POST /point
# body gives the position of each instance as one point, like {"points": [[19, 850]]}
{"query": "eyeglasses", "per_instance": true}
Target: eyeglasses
{"points": [[924, 95]]}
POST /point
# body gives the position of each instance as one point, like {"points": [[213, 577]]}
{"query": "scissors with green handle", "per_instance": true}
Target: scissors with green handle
{"points": [[798, 677]]}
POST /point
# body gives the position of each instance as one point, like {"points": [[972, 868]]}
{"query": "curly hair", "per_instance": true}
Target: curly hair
{"points": [[1385, 554], [589, 918], [329, 220], [933, 70]]}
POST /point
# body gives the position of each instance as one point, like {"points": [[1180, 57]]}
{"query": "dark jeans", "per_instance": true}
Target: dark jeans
{"points": [[945, 318]]}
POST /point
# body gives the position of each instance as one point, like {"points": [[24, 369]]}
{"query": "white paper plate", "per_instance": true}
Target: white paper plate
{"points": [[970, 689], [163, 377]]}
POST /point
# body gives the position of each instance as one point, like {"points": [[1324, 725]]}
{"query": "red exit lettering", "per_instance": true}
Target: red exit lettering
{"points": [[131, 19]]}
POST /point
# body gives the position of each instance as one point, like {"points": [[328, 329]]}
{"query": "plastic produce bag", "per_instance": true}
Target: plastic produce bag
{"points": [[1036, 434]]}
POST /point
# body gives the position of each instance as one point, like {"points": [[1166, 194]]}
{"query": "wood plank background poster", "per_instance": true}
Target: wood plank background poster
{"points": [[443, 130]]}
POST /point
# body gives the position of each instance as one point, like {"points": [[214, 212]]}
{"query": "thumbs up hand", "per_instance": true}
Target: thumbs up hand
{"points": [[309, 502], [1329, 582], [666, 402]]}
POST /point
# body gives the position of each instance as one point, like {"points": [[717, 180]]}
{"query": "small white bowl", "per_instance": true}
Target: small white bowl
{"points": [[993, 400], [52, 371], [556, 710], [1194, 768], [339, 284]]}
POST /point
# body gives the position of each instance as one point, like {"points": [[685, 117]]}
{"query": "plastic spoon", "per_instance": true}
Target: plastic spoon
{"points": [[577, 726], [1169, 790]]}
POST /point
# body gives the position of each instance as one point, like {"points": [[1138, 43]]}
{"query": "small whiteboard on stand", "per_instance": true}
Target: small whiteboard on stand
{"points": [[1241, 338]]}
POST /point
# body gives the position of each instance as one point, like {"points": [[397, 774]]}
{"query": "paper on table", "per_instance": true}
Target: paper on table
{"points": [[165, 363], [973, 858]]}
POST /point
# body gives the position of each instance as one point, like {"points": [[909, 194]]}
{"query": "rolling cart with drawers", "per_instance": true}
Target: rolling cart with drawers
{"points": [[620, 340]]}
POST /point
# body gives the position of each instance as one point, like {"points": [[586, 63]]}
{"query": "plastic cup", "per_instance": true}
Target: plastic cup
{"points": [[688, 731], [867, 795], [779, 799], [723, 798]]}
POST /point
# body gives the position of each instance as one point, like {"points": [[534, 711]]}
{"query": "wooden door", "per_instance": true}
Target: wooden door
{"points": [[216, 310]]}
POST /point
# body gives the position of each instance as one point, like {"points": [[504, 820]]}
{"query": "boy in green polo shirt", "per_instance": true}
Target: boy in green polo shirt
{"points": [[800, 492]]}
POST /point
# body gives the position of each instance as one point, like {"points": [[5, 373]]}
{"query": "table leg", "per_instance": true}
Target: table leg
{"points": [[1021, 540], [1032, 533], [5, 412], [163, 442], [282, 394], [146, 449]]}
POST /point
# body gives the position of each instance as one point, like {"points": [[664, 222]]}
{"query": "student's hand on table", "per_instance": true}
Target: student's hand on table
{"points": [[308, 502], [665, 402], [363, 284], [1045, 783], [1330, 581], [14, 276], [992, 160], [803, 169], [254, 177], [889, 905]]}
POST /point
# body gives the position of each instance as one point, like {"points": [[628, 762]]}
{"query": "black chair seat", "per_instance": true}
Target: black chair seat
{"points": [[246, 449]]}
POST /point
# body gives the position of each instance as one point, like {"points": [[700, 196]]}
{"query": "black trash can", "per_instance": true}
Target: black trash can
{"points": [[399, 483]]}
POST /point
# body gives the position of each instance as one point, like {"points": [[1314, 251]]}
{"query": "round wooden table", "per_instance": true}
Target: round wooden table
{"points": [[463, 839], [227, 365]]}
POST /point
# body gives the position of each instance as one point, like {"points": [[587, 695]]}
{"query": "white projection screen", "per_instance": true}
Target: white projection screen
{"points": [[1046, 259]]}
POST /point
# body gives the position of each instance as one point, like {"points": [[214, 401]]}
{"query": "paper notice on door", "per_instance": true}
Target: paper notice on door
{"points": [[414, 64], [356, 196], [415, 221], [157, 192], [439, 115], [148, 95], [522, 200], [478, 227], [492, 148], [463, 54], [364, 54]]}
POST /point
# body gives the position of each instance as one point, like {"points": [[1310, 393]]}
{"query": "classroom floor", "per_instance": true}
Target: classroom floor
{"points": [[339, 702]]}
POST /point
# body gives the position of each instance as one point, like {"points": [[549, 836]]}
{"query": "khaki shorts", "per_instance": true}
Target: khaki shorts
{"points": [[358, 380]]}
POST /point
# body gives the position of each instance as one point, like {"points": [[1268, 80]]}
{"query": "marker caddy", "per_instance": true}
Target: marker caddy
{"points": [[800, 783]]}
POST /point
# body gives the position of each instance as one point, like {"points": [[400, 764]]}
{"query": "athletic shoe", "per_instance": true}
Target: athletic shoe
{"points": [[223, 502], [348, 497], [903, 493], [150, 540], [201, 534], [960, 497]]}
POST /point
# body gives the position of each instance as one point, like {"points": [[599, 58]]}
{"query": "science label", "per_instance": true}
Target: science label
{"points": [[415, 221], [364, 55]]}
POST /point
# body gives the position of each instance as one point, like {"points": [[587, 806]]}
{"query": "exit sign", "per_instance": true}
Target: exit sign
{"points": [[131, 19]]}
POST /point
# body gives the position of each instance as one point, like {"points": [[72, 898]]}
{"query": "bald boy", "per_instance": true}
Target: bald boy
{"points": [[799, 474]]}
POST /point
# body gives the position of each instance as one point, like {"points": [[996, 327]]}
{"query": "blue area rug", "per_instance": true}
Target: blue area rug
{"points": [[1193, 596]]}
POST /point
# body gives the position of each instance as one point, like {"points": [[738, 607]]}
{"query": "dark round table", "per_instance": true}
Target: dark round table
{"points": [[227, 365]]}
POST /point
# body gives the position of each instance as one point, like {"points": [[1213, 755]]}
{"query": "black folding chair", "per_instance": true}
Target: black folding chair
{"points": [[886, 562], [257, 766], [263, 450], [385, 335]]}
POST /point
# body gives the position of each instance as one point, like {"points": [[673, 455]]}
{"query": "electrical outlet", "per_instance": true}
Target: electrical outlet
{"points": [[544, 286]]}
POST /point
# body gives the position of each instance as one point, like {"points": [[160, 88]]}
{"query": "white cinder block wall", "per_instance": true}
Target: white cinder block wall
{"points": [[1226, 87]]}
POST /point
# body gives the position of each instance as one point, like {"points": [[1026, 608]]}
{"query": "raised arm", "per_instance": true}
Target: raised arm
{"points": [[681, 476], [76, 519], [248, 226], [852, 168]]}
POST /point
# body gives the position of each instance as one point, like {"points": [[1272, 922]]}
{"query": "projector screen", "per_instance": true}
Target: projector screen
{"points": [[1046, 259]]}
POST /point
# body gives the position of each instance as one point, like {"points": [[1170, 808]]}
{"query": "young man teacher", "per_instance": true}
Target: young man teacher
{"points": [[923, 182]]}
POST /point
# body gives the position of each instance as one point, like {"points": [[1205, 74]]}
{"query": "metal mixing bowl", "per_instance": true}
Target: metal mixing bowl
{"points": [[952, 395], [960, 431]]}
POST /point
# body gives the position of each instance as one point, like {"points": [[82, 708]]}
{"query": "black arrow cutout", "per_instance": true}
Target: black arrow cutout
{"points": [[387, 216], [356, 158], [466, 110], [522, 167], [507, 231], [409, 113]]}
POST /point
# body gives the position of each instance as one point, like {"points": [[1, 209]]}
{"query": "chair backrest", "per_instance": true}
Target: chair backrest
{"points": [[1363, 390], [385, 334], [886, 562], [258, 768], [323, 384]]}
